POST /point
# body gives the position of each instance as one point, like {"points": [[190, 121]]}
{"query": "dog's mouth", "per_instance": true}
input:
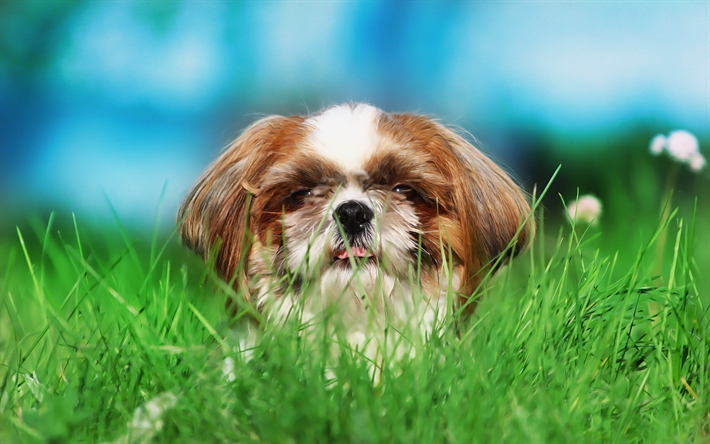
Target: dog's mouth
{"points": [[341, 256]]}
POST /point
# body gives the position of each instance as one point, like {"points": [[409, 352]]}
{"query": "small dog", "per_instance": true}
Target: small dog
{"points": [[385, 218]]}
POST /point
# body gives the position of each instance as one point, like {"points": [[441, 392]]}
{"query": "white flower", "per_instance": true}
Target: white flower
{"points": [[658, 144], [682, 145], [228, 369], [697, 162], [585, 210], [147, 419], [35, 386]]}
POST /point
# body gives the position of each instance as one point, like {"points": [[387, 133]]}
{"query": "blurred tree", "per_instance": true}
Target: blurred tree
{"points": [[31, 33]]}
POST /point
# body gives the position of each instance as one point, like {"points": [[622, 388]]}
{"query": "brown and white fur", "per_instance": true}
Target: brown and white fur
{"points": [[379, 218]]}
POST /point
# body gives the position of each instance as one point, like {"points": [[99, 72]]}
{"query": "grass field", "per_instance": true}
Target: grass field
{"points": [[109, 335]]}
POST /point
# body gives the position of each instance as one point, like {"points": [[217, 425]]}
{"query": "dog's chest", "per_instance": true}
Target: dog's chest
{"points": [[377, 316]]}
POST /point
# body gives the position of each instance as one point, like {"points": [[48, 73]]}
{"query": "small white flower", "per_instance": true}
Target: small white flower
{"points": [[149, 416], [682, 145], [587, 210], [35, 386], [658, 144], [147, 419], [228, 369], [697, 162]]}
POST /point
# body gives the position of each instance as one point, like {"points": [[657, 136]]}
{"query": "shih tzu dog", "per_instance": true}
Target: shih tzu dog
{"points": [[381, 219]]}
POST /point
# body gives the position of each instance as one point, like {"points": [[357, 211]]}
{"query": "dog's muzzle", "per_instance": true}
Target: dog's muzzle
{"points": [[355, 218]]}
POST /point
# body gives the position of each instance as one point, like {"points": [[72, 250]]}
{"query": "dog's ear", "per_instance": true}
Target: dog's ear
{"points": [[215, 212], [493, 211]]}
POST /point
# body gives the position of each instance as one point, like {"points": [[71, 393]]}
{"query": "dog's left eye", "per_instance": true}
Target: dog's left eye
{"points": [[298, 196], [408, 192]]}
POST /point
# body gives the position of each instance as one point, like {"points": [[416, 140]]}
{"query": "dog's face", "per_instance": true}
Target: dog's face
{"points": [[349, 190]]}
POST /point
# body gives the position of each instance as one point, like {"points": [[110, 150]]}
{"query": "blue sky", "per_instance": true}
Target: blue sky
{"points": [[128, 104]]}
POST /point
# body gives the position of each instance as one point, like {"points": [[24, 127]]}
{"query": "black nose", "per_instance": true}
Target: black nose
{"points": [[353, 216]]}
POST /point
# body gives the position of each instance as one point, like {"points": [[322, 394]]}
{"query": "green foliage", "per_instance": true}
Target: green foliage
{"points": [[569, 344]]}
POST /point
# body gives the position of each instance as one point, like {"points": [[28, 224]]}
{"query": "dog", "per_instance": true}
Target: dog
{"points": [[383, 219]]}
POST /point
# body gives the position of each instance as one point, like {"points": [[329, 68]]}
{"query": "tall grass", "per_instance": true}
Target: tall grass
{"points": [[106, 338]]}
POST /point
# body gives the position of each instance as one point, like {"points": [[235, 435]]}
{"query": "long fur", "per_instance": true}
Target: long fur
{"points": [[265, 208]]}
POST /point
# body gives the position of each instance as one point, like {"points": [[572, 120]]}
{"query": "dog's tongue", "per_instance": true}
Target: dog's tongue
{"points": [[357, 252]]}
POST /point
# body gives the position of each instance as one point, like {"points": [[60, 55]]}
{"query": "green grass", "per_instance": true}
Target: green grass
{"points": [[578, 340]]}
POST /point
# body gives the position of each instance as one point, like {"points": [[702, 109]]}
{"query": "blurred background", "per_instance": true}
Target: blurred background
{"points": [[107, 104]]}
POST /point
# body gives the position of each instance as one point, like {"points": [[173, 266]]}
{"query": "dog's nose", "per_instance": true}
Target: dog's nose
{"points": [[353, 216]]}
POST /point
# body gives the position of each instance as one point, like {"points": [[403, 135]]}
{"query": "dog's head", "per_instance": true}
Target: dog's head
{"points": [[352, 188]]}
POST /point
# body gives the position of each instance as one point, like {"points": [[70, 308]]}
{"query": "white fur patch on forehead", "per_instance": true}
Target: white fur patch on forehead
{"points": [[350, 192], [345, 134]]}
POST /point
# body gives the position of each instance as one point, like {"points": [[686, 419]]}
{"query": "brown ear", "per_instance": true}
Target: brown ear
{"points": [[492, 209], [214, 212]]}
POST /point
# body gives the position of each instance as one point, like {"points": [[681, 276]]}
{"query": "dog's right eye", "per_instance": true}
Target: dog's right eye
{"points": [[408, 192], [298, 197]]}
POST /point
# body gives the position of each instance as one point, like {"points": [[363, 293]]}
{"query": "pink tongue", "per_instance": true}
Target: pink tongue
{"points": [[357, 252]]}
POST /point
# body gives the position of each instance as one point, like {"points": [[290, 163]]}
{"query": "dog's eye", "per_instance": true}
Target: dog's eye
{"points": [[297, 197], [408, 192]]}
